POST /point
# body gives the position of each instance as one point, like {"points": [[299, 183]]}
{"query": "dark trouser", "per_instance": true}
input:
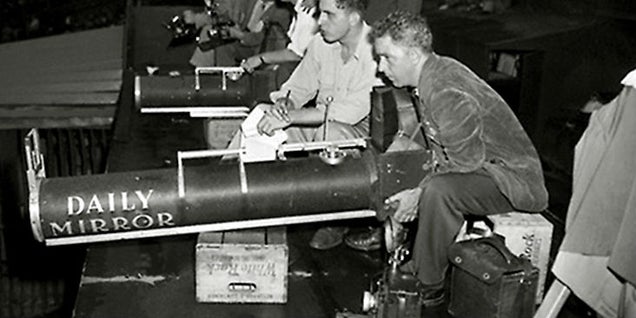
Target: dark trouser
{"points": [[444, 201], [231, 54]]}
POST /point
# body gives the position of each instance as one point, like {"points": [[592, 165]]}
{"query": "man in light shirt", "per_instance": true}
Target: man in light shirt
{"points": [[339, 71]]}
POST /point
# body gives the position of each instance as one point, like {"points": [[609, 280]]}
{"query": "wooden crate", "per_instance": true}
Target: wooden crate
{"points": [[248, 266], [528, 234]]}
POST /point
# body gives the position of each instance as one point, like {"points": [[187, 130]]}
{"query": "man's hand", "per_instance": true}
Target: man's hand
{"points": [[280, 109], [407, 202], [308, 5], [235, 32], [188, 17], [251, 63], [270, 123]]}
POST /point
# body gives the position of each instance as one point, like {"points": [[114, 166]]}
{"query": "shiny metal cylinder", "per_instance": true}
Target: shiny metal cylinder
{"points": [[164, 91], [139, 204]]}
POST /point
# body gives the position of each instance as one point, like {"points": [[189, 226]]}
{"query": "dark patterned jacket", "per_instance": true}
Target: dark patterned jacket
{"points": [[470, 127]]}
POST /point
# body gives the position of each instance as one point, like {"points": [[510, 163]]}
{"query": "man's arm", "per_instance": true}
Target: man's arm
{"points": [[302, 85], [271, 57], [273, 121], [457, 115], [274, 15], [460, 124]]}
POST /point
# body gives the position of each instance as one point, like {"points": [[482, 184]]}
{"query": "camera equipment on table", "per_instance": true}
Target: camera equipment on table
{"points": [[185, 33], [182, 32]]}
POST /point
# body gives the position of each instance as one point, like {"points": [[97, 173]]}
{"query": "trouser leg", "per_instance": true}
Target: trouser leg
{"points": [[202, 58], [335, 131], [199, 57], [231, 54], [444, 201]]}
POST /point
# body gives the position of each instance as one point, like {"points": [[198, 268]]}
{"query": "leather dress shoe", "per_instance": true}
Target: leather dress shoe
{"points": [[328, 237], [370, 240], [432, 295]]}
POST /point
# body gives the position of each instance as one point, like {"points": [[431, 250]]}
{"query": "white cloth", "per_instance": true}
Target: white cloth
{"points": [[600, 290], [255, 23], [630, 79], [602, 188], [259, 147], [301, 29]]}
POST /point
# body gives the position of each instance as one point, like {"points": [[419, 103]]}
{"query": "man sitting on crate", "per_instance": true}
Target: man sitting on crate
{"points": [[483, 162], [339, 71]]}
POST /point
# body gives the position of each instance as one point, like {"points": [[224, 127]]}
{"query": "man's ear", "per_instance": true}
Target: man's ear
{"points": [[414, 55], [355, 18]]}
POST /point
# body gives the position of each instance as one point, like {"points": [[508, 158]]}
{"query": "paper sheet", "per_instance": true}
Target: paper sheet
{"points": [[259, 147]]}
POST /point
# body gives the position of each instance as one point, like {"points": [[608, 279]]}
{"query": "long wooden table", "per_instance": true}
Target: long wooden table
{"points": [[155, 277]]}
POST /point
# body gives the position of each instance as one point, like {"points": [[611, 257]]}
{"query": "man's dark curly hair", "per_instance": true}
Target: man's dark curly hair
{"points": [[405, 29], [353, 5]]}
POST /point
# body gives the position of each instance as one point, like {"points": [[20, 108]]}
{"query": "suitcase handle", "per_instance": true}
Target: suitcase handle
{"points": [[498, 243], [233, 73]]}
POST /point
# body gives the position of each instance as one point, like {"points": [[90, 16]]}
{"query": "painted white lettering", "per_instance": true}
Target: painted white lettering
{"points": [[101, 227], [56, 229], [124, 202], [165, 219], [139, 223], [111, 202], [71, 205], [144, 199], [120, 223], [82, 227], [271, 270], [94, 205]]}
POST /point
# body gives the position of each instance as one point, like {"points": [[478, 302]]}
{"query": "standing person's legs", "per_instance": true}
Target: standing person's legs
{"points": [[231, 54], [444, 201], [202, 58]]}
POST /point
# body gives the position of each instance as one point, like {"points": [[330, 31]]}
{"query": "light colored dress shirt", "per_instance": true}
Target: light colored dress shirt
{"points": [[302, 29], [255, 23], [347, 84]]}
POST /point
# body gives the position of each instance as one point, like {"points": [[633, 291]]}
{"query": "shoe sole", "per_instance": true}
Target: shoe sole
{"points": [[363, 248], [324, 248], [330, 246], [433, 302]]}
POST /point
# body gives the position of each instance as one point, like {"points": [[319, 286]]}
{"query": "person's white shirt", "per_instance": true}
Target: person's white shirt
{"points": [[301, 29]]}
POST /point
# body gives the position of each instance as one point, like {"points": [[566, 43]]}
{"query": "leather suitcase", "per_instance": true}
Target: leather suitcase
{"points": [[487, 280]]}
